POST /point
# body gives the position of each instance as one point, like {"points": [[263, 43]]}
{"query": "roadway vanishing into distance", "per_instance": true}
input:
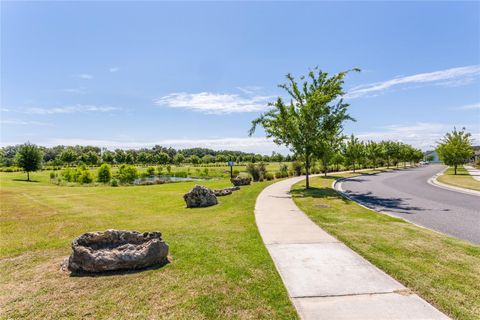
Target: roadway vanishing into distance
{"points": [[407, 194]]}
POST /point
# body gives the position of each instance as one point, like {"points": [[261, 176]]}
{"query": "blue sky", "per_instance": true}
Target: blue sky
{"points": [[134, 74]]}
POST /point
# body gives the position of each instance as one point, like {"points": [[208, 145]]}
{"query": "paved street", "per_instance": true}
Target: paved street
{"points": [[406, 194]]}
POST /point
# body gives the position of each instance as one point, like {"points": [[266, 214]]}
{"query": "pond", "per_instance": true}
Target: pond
{"points": [[163, 179]]}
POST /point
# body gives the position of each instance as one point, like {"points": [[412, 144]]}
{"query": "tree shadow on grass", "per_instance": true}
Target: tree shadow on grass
{"points": [[314, 192], [25, 180]]}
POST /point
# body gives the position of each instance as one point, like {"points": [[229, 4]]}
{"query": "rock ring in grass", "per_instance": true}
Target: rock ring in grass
{"points": [[200, 196], [241, 181], [117, 250]]}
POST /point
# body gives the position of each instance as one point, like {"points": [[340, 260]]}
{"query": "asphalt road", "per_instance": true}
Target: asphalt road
{"points": [[406, 194]]}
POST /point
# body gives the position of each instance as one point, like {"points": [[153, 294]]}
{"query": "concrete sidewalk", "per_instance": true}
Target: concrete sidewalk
{"points": [[324, 278], [475, 173]]}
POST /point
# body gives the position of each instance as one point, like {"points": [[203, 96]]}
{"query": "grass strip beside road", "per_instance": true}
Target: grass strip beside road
{"points": [[462, 179], [443, 270]]}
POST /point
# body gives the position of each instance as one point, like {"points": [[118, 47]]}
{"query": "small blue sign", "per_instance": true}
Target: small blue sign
{"points": [[230, 163]]}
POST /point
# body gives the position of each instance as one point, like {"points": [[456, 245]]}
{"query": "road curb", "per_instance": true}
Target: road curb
{"points": [[434, 182]]}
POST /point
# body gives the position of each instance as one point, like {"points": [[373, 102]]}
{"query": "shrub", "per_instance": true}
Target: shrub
{"points": [[114, 183], [127, 173], [181, 174], [169, 169], [85, 177], [104, 174], [257, 171], [269, 176], [151, 171], [53, 175], [68, 174], [160, 170], [235, 173], [297, 167]]}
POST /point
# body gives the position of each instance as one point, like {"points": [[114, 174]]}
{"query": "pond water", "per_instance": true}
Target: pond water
{"points": [[156, 179]]}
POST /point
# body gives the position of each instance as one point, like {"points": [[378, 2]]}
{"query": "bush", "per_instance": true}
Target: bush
{"points": [[181, 174], [104, 174], [114, 183], [85, 177], [160, 170], [297, 168], [257, 171], [151, 171], [127, 173], [53, 175], [269, 176], [68, 174], [235, 173]]}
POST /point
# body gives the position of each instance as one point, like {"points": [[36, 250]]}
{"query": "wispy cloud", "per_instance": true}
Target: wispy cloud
{"points": [[449, 77], [260, 145], [79, 108], [85, 76], [113, 69], [4, 109], [24, 123], [216, 103], [422, 135], [473, 106], [76, 90]]}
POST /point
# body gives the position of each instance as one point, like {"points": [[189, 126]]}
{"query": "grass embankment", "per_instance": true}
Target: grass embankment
{"points": [[219, 266], [443, 270], [462, 179]]}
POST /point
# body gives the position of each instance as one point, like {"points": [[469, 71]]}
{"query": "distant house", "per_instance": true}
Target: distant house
{"points": [[433, 155]]}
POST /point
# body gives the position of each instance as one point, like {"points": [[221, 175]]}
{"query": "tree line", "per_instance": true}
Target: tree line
{"points": [[158, 155]]}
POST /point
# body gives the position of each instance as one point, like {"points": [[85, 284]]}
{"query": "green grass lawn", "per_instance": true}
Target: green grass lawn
{"points": [[443, 270], [219, 266], [461, 179]]}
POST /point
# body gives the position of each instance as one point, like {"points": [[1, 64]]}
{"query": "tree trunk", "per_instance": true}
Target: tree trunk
{"points": [[28, 174], [455, 166], [354, 166], [307, 168]]}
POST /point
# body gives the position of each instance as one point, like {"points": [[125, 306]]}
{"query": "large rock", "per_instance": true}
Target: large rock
{"points": [[241, 181], [200, 196], [225, 191], [117, 250]]}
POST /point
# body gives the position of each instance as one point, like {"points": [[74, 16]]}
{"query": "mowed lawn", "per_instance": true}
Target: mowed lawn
{"points": [[443, 270], [219, 266], [462, 179]]}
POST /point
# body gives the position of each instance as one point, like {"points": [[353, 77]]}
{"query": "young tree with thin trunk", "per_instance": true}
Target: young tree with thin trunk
{"points": [[455, 148], [29, 157], [316, 109], [353, 151]]}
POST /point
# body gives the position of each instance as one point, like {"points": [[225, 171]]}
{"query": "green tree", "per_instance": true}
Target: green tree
{"points": [[69, 155], [455, 148], [179, 158], [194, 159], [104, 174], [353, 151], [162, 158], [29, 157], [315, 111], [373, 151]]}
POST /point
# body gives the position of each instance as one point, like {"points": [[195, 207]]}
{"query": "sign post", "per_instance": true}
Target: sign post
{"points": [[230, 164]]}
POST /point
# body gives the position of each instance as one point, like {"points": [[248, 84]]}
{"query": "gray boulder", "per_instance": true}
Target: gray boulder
{"points": [[117, 250], [241, 181], [225, 191], [200, 196]]}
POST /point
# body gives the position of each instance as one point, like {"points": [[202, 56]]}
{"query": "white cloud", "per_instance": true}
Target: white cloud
{"points": [[449, 77], [473, 106], [79, 108], [260, 145], [4, 109], [113, 69], [215, 103], [85, 76], [420, 135], [75, 90], [24, 123]]}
